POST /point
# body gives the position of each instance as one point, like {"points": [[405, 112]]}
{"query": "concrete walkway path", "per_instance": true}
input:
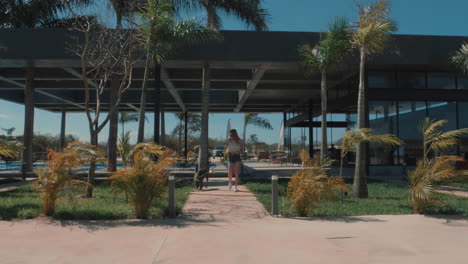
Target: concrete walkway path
{"points": [[221, 226]]}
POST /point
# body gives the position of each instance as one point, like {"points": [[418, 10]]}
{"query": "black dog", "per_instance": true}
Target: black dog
{"points": [[198, 179]]}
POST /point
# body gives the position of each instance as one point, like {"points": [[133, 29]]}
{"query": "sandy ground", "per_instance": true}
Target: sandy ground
{"points": [[222, 226]]}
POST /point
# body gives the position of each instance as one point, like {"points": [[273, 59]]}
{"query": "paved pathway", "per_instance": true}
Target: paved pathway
{"points": [[463, 192], [221, 226]]}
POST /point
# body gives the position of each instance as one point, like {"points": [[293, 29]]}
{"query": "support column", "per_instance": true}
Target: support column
{"points": [[311, 131], [285, 132], [203, 156], [157, 103], [27, 162], [113, 125], [163, 127], [62, 129], [185, 134]]}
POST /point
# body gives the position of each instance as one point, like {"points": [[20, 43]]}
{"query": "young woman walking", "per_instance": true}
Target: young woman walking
{"points": [[234, 148]]}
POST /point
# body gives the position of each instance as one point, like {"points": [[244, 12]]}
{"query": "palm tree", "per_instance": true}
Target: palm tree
{"points": [[36, 13], [370, 37], [431, 172], [326, 54], [123, 8], [255, 120], [249, 11], [461, 57], [161, 34], [193, 126], [126, 117]]}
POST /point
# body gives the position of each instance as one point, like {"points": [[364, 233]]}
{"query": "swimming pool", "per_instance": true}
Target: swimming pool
{"points": [[16, 165]]}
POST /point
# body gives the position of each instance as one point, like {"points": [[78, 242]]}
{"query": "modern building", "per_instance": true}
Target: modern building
{"points": [[259, 72]]}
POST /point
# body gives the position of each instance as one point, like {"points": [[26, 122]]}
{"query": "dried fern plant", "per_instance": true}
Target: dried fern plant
{"points": [[312, 184], [56, 177], [430, 173], [145, 180], [8, 149], [352, 138]]}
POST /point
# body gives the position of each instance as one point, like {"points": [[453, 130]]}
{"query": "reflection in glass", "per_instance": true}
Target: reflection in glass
{"points": [[463, 121], [412, 80], [382, 79], [442, 80], [462, 83], [411, 114], [383, 120]]}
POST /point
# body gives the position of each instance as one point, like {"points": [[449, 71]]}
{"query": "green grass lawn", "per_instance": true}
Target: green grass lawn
{"points": [[23, 203], [384, 198]]}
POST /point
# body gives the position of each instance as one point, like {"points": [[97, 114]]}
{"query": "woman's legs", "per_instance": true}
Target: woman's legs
{"points": [[237, 170], [230, 172]]}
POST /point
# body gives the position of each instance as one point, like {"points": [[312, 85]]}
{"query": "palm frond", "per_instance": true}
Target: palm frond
{"points": [[373, 27], [460, 58], [352, 138]]}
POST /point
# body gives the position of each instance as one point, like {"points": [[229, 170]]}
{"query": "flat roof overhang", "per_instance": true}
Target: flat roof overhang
{"points": [[250, 71]]}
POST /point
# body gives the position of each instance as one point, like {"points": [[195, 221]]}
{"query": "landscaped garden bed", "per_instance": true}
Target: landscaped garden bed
{"points": [[384, 198], [24, 203]]}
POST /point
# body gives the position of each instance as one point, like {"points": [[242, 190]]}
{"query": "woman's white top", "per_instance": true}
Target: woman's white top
{"points": [[233, 146]]}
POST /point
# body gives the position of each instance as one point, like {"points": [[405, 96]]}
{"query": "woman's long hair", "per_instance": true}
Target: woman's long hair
{"points": [[233, 135]]}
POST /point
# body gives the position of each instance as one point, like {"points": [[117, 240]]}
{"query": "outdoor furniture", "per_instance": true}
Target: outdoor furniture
{"points": [[278, 157], [263, 155]]}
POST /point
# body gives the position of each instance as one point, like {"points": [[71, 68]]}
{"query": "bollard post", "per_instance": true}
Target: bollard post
{"points": [[274, 195], [171, 196]]}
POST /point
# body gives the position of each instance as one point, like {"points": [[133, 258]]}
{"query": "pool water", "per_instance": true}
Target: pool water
{"points": [[16, 165]]}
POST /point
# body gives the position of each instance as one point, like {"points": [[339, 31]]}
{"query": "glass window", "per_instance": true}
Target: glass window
{"points": [[463, 122], [440, 80], [411, 80], [463, 82], [383, 120], [444, 111], [378, 79], [411, 114]]}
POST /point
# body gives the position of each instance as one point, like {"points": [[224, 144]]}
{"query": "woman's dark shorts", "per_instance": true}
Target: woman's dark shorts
{"points": [[233, 158]]}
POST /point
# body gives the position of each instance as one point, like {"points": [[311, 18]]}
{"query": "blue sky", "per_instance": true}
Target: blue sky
{"points": [[420, 17]]}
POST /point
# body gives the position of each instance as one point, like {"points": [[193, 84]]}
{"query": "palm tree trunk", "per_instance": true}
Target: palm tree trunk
{"points": [[210, 13], [123, 129], [360, 177], [203, 158], [142, 119], [244, 133], [113, 125], [179, 147], [92, 165], [324, 147]]}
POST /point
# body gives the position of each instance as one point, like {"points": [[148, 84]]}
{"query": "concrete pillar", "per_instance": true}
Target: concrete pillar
{"points": [[311, 131], [157, 103], [113, 125], [203, 158], [62, 129], [185, 134], [28, 120], [163, 127]]}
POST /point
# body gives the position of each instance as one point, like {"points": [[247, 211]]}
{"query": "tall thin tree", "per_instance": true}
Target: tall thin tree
{"points": [[249, 11], [371, 36], [161, 35], [255, 120], [322, 57]]}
